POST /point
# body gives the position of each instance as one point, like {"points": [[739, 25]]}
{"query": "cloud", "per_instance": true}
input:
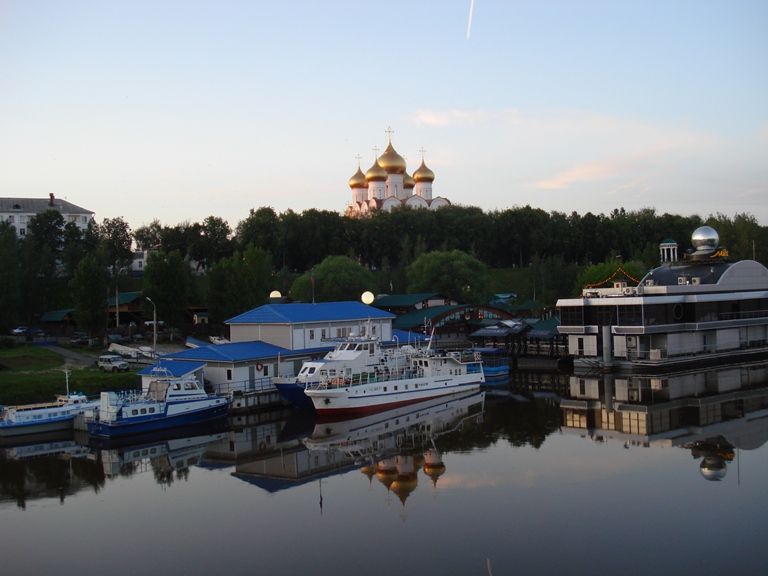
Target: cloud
{"points": [[465, 117]]}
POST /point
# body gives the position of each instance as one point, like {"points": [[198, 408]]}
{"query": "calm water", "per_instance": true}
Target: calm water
{"points": [[538, 478]]}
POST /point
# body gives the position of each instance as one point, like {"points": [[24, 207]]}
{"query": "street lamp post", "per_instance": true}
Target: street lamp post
{"points": [[154, 325]]}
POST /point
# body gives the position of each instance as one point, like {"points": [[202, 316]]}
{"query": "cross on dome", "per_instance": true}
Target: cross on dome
{"points": [[389, 132]]}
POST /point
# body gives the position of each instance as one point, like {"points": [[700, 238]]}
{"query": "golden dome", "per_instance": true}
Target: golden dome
{"points": [[424, 174], [391, 161], [376, 173], [408, 181], [358, 179]]}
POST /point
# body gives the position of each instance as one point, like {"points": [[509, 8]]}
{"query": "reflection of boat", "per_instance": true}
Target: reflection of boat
{"points": [[166, 454], [53, 444], [427, 375], [683, 313], [495, 363], [168, 402], [675, 409], [355, 357], [375, 435], [48, 417]]}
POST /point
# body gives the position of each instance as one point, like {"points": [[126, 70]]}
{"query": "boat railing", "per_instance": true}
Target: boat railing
{"points": [[238, 387], [382, 375]]}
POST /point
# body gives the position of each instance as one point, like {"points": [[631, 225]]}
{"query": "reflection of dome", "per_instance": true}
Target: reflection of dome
{"points": [[404, 485], [433, 466], [424, 174], [368, 471], [391, 161], [376, 173], [705, 238], [358, 179], [386, 471], [713, 468]]}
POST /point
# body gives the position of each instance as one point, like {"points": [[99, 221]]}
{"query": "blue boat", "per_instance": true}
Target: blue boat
{"points": [[495, 364], [168, 402], [38, 418]]}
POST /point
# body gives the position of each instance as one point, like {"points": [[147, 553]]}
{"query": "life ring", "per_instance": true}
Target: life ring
{"points": [[262, 446], [259, 367]]}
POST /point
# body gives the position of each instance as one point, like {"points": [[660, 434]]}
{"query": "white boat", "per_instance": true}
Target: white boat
{"points": [[385, 433], [426, 375], [44, 417], [352, 358], [701, 309], [167, 403]]}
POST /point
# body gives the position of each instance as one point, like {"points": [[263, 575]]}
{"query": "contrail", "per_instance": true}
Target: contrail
{"points": [[469, 26]]}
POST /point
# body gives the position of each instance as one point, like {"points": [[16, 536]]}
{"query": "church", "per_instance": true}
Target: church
{"points": [[387, 185]]}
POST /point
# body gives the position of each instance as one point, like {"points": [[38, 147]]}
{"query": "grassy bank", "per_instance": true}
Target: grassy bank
{"points": [[35, 374]]}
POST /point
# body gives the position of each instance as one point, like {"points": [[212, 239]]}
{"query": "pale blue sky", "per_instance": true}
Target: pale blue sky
{"points": [[181, 110]]}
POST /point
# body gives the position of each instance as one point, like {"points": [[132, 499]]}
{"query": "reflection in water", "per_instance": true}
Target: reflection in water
{"points": [[396, 443], [711, 413], [60, 467], [391, 445]]}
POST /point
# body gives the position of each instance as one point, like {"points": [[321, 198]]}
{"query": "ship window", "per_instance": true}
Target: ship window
{"points": [[311, 334], [134, 412], [152, 410], [229, 374], [177, 386], [143, 410], [630, 315], [188, 386]]}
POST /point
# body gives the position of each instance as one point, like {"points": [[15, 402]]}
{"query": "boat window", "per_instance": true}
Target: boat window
{"points": [[312, 370], [152, 410], [134, 412], [143, 410], [177, 386], [189, 386]]}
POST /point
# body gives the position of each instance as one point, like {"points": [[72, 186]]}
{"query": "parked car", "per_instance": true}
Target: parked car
{"points": [[79, 339], [112, 363], [33, 333], [19, 331]]}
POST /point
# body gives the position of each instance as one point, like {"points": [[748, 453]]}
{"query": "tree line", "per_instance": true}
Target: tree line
{"points": [[325, 255]]}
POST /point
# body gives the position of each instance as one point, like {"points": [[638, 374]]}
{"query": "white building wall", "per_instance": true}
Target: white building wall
{"points": [[727, 339]]}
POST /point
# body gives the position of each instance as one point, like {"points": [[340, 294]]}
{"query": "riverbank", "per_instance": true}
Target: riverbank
{"points": [[36, 374]]}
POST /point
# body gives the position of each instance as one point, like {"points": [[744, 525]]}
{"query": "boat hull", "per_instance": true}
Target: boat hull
{"points": [[377, 396], [25, 428], [293, 393], [161, 422]]}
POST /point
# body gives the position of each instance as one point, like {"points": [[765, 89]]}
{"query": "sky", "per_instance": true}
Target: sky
{"points": [[180, 110]]}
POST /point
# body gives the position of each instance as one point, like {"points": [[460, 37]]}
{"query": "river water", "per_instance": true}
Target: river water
{"points": [[544, 474]]}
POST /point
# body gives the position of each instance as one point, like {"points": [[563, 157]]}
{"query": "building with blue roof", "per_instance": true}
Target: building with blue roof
{"points": [[242, 366], [306, 326]]}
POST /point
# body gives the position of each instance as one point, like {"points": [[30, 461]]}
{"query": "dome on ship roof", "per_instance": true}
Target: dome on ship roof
{"points": [[358, 179], [424, 174], [705, 238], [376, 173], [391, 161]]}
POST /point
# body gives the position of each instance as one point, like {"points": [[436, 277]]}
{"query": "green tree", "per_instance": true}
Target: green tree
{"points": [[606, 273], [89, 294], [336, 278], [455, 274], [239, 283], [167, 280], [10, 297], [213, 243], [149, 237]]}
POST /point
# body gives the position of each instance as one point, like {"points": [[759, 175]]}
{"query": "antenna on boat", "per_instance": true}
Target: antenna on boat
{"points": [[66, 378]]}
